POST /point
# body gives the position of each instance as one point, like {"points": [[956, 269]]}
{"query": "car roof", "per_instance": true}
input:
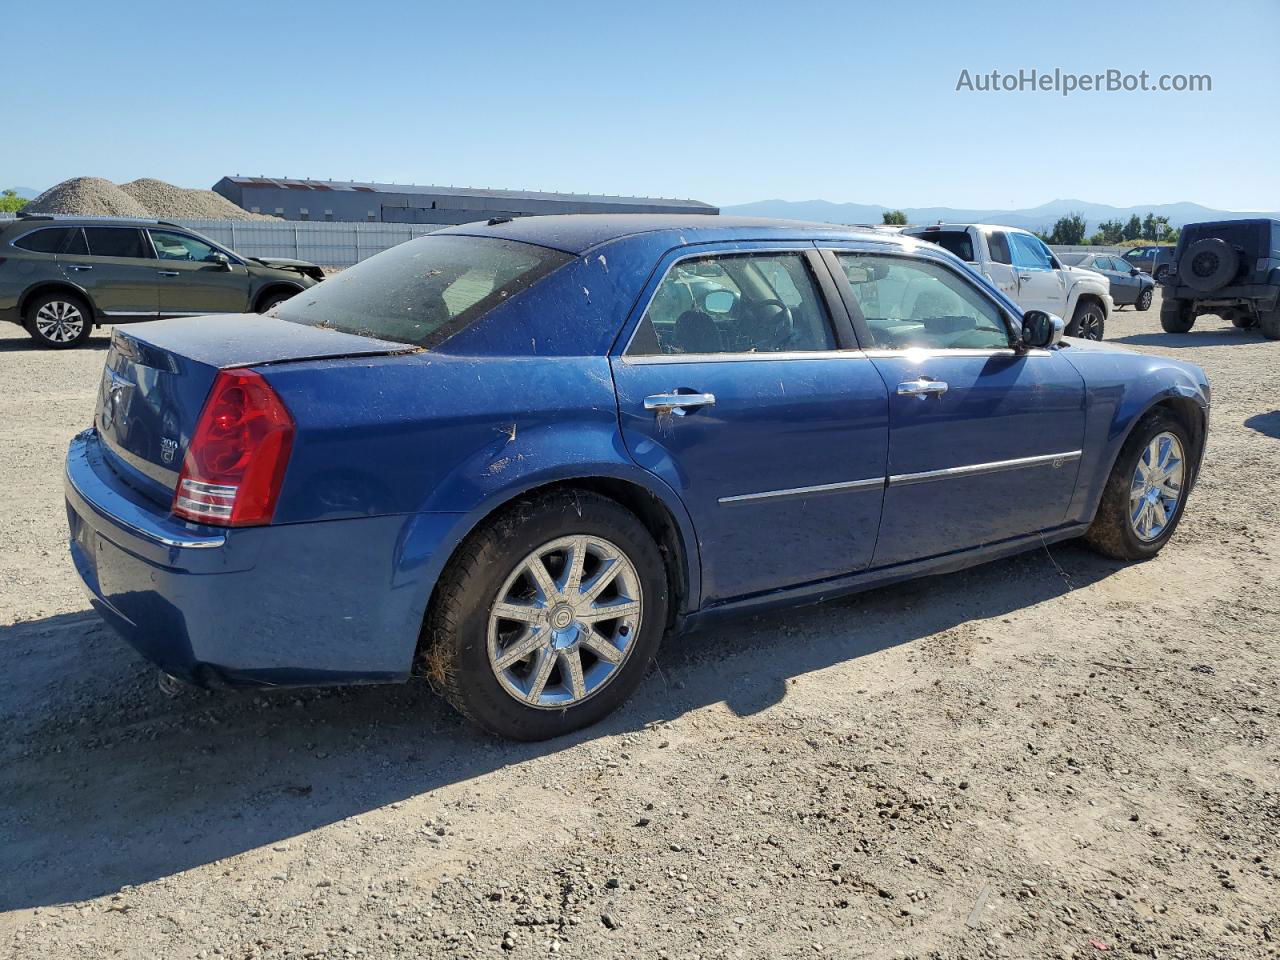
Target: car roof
{"points": [[578, 233], [964, 226], [67, 220]]}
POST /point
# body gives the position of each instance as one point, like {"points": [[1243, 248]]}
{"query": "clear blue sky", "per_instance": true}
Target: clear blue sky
{"points": [[726, 102]]}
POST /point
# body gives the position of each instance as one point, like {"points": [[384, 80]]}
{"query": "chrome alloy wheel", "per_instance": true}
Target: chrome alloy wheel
{"points": [[1156, 487], [59, 321], [564, 622]]}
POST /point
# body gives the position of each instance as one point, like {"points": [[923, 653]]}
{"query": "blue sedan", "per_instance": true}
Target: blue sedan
{"points": [[514, 455]]}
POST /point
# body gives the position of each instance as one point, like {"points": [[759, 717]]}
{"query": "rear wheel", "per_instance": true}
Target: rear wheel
{"points": [[1162, 273], [59, 320], [1269, 323], [1146, 492], [1088, 322], [1144, 299], [547, 618], [1176, 316]]}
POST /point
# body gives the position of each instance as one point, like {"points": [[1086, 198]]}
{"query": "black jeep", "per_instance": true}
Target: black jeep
{"points": [[1231, 268]]}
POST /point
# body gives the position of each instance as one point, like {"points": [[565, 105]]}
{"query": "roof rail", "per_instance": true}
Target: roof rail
{"points": [[34, 216]]}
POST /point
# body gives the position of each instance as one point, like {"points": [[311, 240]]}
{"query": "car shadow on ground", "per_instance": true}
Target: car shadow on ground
{"points": [[1225, 337], [19, 344], [108, 782], [1265, 423]]}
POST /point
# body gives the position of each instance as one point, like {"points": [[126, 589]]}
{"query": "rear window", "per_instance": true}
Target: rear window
{"points": [[957, 241], [48, 240], [1249, 234], [423, 291]]}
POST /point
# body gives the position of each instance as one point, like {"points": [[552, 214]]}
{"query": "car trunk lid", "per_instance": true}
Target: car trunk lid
{"points": [[158, 375]]}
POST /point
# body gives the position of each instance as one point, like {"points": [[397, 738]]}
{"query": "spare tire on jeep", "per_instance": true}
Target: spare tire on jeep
{"points": [[1208, 264]]}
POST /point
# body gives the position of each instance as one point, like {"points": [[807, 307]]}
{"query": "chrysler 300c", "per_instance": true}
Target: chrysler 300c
{"points": [[514, 455]]}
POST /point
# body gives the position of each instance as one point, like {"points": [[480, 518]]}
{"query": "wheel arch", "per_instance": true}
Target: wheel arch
{"points": [[54, 286]]}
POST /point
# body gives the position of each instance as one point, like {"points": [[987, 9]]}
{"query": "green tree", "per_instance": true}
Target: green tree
{"points": [[1168, 234], [10, 202], [1110, 233], [1133, 229], [894, 218], [1069, 230]]}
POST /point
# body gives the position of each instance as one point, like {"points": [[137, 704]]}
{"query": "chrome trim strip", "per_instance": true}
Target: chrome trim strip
{"points": [[807, 491], [194, 543], [126, 313], [978, 469], [923, 353], [742, 357]]}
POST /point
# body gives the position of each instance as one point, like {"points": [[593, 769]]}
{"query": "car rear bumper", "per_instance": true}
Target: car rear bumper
{"points": [[302, 604]]}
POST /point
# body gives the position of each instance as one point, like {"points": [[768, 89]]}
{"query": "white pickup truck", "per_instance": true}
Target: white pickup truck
{"points": [[1028, 273]]}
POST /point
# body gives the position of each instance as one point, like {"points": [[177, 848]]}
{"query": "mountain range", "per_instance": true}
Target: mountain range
{"points": [[1031, 218]]}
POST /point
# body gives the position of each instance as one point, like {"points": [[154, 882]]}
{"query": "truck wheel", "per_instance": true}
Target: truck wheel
{"points": [[1176, 316], [1088, 322], [1144, 299], [59, 320], [1269, 324], [1146, 492], [1208, 264], [547, 618]]}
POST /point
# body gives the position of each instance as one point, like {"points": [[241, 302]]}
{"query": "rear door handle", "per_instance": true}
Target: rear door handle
{"points": [[78, 266], [167, 273], [921, 388], [678, 402]]}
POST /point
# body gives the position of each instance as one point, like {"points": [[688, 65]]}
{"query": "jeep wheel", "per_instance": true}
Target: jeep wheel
{"points": [[1176, 316], [548, 616], [59, 320], [1088, 322], [1144, 299], [1269, 324]]}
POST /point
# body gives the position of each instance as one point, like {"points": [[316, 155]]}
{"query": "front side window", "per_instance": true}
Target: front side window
{"points": [[915, 304], [425, 290], [48, 240], [179, 246], [999, 243], [1030, 253], [735, 303], [115, 242]]}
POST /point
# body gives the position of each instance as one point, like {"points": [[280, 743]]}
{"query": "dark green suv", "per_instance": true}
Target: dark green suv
{"points": [[59, 277]]}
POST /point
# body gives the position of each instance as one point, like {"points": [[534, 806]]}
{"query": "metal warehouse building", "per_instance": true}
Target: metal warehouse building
{"points": [[396, 203]]}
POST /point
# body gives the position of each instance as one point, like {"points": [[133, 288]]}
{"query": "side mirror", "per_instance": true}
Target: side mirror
{"points": [[1134, 271], [719, 302], [222, 260], [1041, 330]]}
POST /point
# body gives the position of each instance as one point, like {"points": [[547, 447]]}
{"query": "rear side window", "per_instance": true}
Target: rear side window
{"points": [[423, 291], [957, 241], [48, 240], [999, 243], [115, 242], [738, 303]]}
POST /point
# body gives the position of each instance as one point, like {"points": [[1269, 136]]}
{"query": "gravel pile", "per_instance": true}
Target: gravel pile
{"points": [[95, 197]]}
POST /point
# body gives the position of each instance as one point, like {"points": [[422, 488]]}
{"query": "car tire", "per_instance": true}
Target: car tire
{"points": [[58, 320], [493, 572], [1242, 319], [275, 298], [1124, 527], [1089, 321], [1208, 264], [1144, 299], [1176, 316], [1269, 324], [1162, 273]]}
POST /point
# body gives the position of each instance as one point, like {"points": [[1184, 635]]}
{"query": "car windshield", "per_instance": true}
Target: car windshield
{"points": [[423, 291]]}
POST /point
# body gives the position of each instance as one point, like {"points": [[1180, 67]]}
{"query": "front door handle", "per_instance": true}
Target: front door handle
{"points": [[677, 403], [79, 266], [168, 273], [921, 388]]}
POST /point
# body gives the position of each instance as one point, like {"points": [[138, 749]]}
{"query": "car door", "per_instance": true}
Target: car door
{"points": [[195, 277], [1124, 285], [114, 266], [742, 388], [984, 441], [1040, 285]]}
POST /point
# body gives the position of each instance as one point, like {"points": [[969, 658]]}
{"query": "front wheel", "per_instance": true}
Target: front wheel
{"points": [[548, 617], [59, 320], [1146, 492], [274, 299], [1088, 322], [1144, 299]]}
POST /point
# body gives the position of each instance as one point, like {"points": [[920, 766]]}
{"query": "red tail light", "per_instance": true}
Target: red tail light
{"points": [[233, 469]]}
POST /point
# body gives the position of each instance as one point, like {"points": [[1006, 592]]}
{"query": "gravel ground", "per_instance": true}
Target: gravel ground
{"points": [[1049, 756]]}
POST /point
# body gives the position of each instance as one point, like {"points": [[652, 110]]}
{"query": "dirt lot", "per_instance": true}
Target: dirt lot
{"points": [[1050, 756]]}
